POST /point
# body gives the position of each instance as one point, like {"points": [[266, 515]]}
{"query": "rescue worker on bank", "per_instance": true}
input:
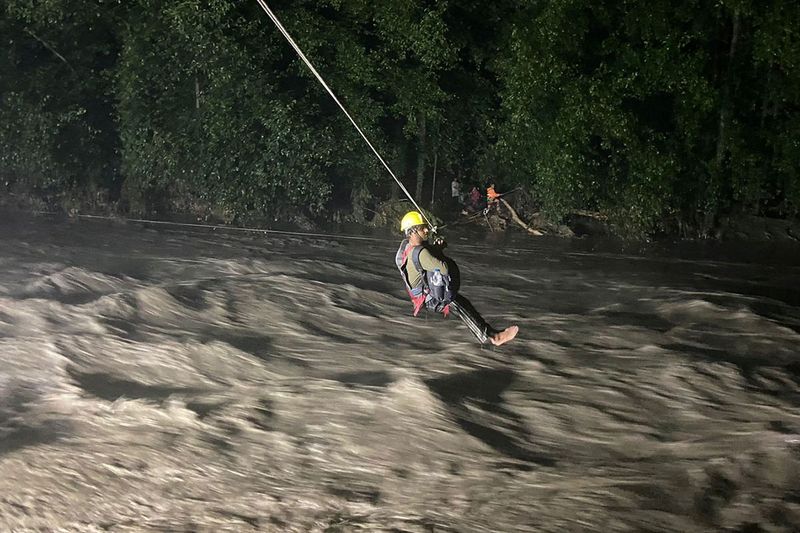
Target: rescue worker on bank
{"points": [[491, 194], [432, 281], [492, 199]]}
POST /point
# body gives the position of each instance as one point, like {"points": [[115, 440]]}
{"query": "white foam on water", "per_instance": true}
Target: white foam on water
{"points": [[237, 383], [735, 330], [73, 282], [34, 317]]}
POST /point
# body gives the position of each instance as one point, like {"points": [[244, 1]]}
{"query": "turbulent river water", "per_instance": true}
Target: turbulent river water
{"points": [[173, 379]]}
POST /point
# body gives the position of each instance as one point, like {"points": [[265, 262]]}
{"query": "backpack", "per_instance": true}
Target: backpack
{"points": [[434, 290]]}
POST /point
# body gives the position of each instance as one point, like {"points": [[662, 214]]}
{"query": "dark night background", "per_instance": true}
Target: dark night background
{"points": [[665, 117]]}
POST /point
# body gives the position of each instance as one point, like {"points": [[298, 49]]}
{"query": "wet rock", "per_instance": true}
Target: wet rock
{"points": [[752, 228], [583, 225]]}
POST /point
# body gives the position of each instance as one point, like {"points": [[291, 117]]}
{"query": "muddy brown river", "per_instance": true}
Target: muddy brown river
{"points": [[159, 378]]}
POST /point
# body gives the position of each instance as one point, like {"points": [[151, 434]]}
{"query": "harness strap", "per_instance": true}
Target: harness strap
{"points": [[425, 289], [417, 263], [421, 294], [417, 294]]}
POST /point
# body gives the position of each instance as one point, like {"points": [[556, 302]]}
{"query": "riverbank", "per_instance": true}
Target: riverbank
{"points": [[518, 214]]}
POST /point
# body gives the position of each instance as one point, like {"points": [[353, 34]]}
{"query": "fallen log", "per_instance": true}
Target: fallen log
{"points": [[518, 220]]}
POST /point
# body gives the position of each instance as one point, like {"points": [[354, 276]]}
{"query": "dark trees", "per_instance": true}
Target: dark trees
{"points": [[657, 113]]}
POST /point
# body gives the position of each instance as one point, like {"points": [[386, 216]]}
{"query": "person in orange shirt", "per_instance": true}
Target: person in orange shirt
{"points": [[491, 199], [491, 194]]}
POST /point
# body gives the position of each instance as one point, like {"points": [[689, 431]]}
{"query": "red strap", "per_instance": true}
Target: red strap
{"points": [[419, 301], [405, 252]]}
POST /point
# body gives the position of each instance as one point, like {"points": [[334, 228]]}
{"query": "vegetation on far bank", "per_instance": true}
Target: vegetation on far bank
{"points": [[664, 116]]}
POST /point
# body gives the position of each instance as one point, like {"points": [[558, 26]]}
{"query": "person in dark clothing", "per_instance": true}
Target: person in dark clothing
{"points": [[475, 199], [432, 280]]}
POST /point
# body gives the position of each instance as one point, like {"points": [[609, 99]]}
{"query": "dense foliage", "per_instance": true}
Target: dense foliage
{"points": [[660, 114]]}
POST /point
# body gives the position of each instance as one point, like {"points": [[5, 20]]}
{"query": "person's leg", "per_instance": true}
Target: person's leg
{"points": [[464, 310]]}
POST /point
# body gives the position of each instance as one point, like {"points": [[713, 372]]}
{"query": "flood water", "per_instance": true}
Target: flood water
{"points": [[158, 378]]}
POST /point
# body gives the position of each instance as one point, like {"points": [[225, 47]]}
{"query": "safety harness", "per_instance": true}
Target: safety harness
{"points": [[434, 289]]}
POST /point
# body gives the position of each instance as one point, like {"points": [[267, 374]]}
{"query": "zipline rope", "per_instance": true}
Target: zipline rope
{"points": [[214, 227], [226, 228], [302, 56]]}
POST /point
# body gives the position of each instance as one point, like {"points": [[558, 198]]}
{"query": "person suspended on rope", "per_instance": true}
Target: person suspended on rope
{"points": [[437, 278], [432, 281]]}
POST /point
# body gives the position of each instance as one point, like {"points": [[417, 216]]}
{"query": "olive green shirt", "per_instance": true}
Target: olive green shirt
{"points": [[428, 262]]}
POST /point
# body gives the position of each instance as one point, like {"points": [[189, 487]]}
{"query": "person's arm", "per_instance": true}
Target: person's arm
{"points": [[430, 263]]}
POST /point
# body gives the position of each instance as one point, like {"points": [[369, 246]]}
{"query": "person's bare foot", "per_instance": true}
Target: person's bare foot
{"points": [[507, 335]]}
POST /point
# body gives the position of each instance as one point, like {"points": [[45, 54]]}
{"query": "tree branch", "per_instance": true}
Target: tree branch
{"points": [[53, 50], [518, 220]]}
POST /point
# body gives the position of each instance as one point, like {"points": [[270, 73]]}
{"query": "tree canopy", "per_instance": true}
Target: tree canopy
{"points": [[659, 114]]}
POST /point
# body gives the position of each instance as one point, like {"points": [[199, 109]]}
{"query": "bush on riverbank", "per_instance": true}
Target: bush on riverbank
{"points": [[676, 127]]}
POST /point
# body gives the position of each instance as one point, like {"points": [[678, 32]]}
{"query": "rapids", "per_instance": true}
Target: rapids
{"points": [[170, 379]]}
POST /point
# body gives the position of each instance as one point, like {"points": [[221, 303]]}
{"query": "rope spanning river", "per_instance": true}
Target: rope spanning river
{"points": [[160, 379]]}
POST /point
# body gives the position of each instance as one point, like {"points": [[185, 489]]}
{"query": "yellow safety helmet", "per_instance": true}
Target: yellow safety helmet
{"points": [[411, 219]]}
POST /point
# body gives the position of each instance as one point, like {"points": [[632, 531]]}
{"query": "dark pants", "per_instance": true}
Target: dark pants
{"points": [[463, 309]]}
